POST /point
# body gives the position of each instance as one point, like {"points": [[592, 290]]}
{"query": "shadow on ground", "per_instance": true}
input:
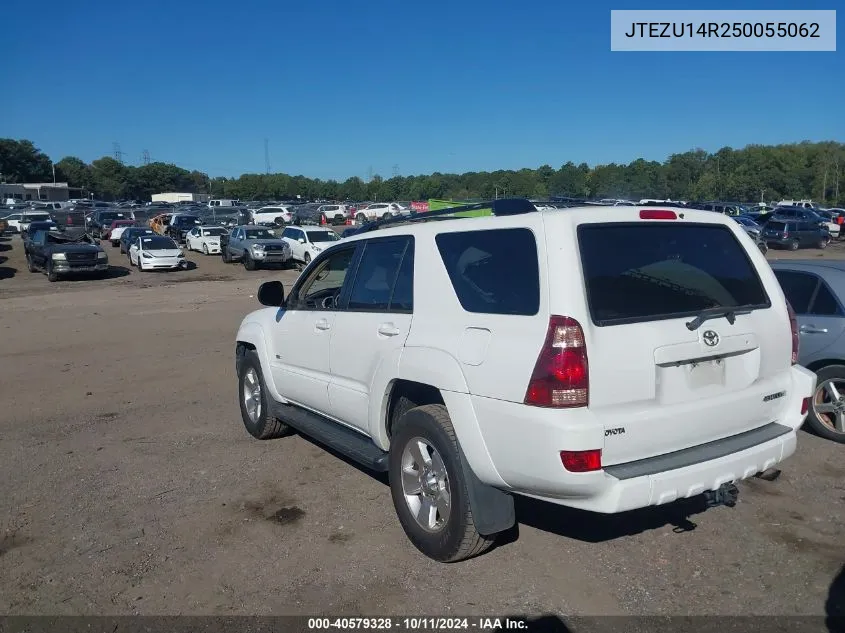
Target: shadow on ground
{"points": [[834, 607]]}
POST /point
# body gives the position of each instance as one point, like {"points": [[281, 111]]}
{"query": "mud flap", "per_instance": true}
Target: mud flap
{"points": [[492, 510]]}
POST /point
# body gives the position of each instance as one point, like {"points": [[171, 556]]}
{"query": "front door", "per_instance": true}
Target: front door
{"points": [[303, 330], [371, 329]]}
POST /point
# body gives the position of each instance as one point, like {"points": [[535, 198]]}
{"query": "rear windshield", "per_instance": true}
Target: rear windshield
{"points": [[775, 226], [648, 271]]}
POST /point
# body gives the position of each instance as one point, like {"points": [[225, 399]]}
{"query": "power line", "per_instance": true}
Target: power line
{"points": [[145, 157], [118, 155], [267, 155]]}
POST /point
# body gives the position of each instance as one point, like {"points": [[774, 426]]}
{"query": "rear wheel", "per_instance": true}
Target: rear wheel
{"points": [[255, 410], [428, 487], [361, 218], [763, 247], [827, 414], [386, 216], [793, 245]]}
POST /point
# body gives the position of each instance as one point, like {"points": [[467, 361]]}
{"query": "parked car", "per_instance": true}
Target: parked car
{"points": [[117, 226], [308, 214], [306, 242], [160, 222], [335, 213], [179, 226], [816, 291], [380, 211], [156, 252], [17, 222], [205, 239], [100, 221], [272, 215], [59, 254], [130, 234], [795, 234], [69, 217], [254, 246], [430, 351]]}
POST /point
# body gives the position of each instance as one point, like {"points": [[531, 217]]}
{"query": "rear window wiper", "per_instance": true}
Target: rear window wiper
{"points": [[715, 313]]}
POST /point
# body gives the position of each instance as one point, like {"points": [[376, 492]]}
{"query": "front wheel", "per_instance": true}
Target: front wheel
{"points": [[224, 253], [823, 243], [361, 218], [307, 258], [827, 414], [428, 486], [29, 265], [386, 216], [249, 262], [763, 247], [205, 249], [252, 395], [51, 274]]}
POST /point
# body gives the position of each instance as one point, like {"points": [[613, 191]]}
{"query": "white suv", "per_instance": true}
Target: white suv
{"points": [[380, 211], [605, 361]]}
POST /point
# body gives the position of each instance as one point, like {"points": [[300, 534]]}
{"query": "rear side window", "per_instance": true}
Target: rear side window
{"points": [[650, 271], [375, 279], [493, 272], [776, 226]]}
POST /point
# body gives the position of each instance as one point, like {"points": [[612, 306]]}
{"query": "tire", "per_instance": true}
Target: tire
{"points": [[115, 243], [122, 250], [52, 276], [793, 245], [260, 424], [386, 216], [820, 422], [454, 537], [338, 219], [224, 253], [763, 247], [361, 218], [823, 243], [141, 264], [204, 249], [307, 258], [249, 262], [29, 265]]}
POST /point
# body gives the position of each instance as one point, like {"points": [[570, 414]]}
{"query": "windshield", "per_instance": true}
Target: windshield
{"points": [[111, 217], [158, 243], [213, 232], [133, 233], [322, 236], [259, 234], [186, 220]]}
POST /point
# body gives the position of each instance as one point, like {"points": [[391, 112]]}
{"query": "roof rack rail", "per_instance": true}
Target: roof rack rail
{"points": [[500, 207]]}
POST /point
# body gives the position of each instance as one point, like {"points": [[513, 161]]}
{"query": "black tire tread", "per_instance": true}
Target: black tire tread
{"points": [[472, 543]]}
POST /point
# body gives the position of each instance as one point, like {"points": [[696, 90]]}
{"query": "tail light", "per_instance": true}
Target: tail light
{"points": [[561, 377], [581, 461], [793, 325]]}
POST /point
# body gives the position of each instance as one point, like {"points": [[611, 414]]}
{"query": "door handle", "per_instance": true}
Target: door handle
{"points": [[322, 324], [812, 329], [388, 329]]}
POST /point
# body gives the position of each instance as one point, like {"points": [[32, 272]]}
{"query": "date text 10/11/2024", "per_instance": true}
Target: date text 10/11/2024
{"points": [[419, 624]]}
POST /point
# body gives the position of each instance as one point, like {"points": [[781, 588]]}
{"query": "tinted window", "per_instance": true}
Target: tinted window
{"points": [[798, 288], [651, 271], [825, 304], [493, 272], [376, 275]]}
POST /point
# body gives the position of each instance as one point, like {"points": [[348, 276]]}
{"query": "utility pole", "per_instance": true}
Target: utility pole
{"points": [[145, 157], [118, 155], [395, 170], [267, 156], [54, 173]]}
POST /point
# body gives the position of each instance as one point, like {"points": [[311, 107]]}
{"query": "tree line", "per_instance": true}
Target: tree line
{"points": [[753, 173]]}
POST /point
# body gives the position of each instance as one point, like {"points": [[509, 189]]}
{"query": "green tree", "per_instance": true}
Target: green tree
{"points": [[21, 161]]}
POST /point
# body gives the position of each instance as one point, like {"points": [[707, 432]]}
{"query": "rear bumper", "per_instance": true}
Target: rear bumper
{"points": [[527, 456]]}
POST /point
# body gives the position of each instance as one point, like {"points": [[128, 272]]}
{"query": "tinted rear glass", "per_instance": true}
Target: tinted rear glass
{"points": [[650, 271], [775, 226], [493, 272]]}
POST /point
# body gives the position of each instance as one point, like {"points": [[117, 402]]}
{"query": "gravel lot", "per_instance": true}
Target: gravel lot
{"points": [[128, 485]]}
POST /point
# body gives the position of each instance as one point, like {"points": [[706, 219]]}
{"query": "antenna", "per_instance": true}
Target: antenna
{"points": [[395, 170], [145, 157], [267, 155], [118, 155]]}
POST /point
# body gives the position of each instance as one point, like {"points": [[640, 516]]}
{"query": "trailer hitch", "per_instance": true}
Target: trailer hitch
{"points": [[724, 495]]}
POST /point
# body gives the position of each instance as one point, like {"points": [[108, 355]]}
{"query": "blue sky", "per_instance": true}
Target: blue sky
{"points": [[339, 87]]}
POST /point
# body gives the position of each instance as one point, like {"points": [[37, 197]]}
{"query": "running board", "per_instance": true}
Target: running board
{"points": [[345, 441]]}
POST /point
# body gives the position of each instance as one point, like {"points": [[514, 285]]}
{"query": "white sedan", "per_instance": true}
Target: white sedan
{"points": [[156, 252], [205, 239]]}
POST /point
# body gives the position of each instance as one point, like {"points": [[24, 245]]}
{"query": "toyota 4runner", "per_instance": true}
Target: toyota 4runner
{"points": [[604, 360]]}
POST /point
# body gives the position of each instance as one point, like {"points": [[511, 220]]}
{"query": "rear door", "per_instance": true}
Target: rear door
{"points": [[652, 367], [821, 319], [371, 328]]}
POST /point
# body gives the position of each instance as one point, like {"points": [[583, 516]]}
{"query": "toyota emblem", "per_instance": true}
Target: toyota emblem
{"points": [[711, 339]]}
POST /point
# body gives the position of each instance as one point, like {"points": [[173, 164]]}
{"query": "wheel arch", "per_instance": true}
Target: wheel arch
{"points": [[820, 364], [251, 337]]}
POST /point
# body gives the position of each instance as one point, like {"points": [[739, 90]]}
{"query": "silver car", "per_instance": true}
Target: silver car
{"points": [[816, 292]]}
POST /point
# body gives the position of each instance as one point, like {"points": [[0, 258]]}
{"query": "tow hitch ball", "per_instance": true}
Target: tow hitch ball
{"points": [[724, 495]]}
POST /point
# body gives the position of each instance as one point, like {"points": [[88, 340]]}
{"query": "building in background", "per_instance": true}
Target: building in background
{"points": [[179, 197], [53, 191]]}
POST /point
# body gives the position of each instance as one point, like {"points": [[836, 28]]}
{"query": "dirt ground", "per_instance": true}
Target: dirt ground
{"points": [[128, 485]]}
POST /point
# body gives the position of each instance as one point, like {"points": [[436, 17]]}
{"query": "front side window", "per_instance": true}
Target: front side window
{"points": [[321, 290]]}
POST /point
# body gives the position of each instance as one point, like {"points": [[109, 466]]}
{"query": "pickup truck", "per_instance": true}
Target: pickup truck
{"points": [[254, 246], [61, 253]]}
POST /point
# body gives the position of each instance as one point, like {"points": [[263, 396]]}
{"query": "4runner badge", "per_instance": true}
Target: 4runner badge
{"points": [[711, 339]]}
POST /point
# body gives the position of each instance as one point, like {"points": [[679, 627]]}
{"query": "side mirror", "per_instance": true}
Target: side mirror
{"points": [[301, 240], [271, 294]]}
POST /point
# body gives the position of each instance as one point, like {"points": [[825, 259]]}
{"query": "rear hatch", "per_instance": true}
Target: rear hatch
{"points": [[776, 230], [661, 379]]}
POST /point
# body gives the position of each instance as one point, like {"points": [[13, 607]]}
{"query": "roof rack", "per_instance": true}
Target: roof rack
{"points": [[500, 207]]}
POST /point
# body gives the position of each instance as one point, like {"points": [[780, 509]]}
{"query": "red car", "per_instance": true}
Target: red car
{"points": [[106, 233]]}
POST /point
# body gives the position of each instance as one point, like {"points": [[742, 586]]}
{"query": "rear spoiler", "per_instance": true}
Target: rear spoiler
{"points": [[500, 207]]}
